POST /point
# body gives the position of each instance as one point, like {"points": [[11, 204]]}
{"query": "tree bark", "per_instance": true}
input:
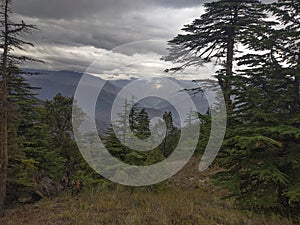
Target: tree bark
{"points": [[4, 122], [229, 62], [297, 83], [229, 73]]}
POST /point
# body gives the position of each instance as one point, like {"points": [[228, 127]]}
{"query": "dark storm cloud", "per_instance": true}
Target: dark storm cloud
{"points": [[71, 31], [109, 26], [69, 9]]}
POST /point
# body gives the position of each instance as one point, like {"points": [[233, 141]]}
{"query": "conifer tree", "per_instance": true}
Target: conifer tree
{"points": [[40, 145], [140, 120], [58, 117], [288, 13], [261, 154], [133, 116], [143, 125], [10, 40], [123, 126], [215, 36], [21, 113], [171, 137]]}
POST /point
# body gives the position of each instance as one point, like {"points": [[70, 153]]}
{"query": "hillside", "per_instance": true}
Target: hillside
{"points": [[188, 199]]}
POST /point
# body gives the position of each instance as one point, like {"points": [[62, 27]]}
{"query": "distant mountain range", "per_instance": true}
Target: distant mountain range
{"points": [[65, 82]]}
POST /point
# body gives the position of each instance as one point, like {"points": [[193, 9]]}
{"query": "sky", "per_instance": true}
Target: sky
{"points": [[78, 35]]}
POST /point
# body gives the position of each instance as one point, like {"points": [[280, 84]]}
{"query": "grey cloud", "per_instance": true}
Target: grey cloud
{"points": [[69, 9], [102, 31], [108, 32], [102, 24]]}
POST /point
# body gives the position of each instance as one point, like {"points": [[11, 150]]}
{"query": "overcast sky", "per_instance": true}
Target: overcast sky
{"points": [[75, 33]]}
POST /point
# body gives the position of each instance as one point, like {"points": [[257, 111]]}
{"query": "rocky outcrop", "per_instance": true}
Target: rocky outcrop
{"points": [[47, 187]]}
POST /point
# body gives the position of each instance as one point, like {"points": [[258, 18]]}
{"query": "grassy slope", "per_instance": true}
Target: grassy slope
{"points": [[189, 201]]}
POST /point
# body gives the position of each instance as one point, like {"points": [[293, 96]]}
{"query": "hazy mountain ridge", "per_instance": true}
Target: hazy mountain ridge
{"points": [[65, 82]]}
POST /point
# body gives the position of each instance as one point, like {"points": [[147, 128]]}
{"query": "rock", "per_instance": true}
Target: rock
{"points": [[45, 186]]}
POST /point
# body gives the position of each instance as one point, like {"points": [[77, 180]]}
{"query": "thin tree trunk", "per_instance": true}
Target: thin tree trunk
{"points": [[229, 62], [295, 108], [4, 122], [229, 73]]}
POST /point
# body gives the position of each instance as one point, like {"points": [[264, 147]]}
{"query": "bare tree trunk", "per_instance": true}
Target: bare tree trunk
{"points": [[297, 83], [4, 122], [229, 63], [229, 73]]}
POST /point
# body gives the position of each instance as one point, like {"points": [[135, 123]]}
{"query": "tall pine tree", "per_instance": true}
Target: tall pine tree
{"points": [[261, 154], [10, 40], [215, 36]]}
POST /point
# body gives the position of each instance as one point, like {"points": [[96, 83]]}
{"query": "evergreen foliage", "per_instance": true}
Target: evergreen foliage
{"points": [[172, 136], [215, 37], [16, 103], [260, 155], [139, 125]]}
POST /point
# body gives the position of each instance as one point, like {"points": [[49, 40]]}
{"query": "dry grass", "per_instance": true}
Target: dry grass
{"points": [[190, 200], [173, 206]]}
